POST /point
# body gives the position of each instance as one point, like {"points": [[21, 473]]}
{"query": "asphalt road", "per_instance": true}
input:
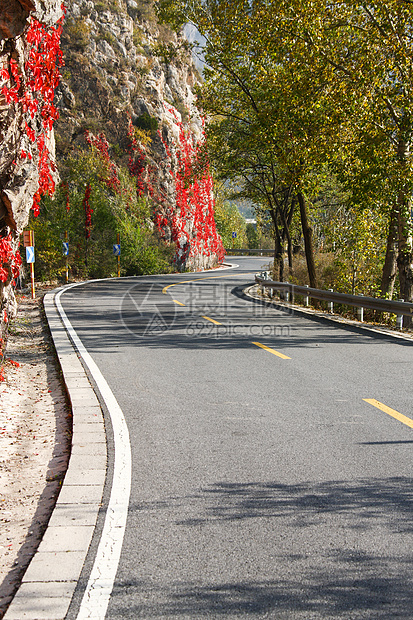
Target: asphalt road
{"points": [[263, 485]]}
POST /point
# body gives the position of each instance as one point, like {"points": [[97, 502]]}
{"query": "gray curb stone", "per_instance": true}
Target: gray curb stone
{"points": [[49, 583]]}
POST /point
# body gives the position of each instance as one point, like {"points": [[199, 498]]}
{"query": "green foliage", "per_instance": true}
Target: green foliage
{"points": [[101, 5], [326, 270], [116, 7], [146, 122], [297, 88], [114, 212], [169, 51], [145, 10], [105, 35], [358, 238], [228, 220], [183, 111], [142, 252], [172, 12], [137, 36], [252, 236], [48, 234]]}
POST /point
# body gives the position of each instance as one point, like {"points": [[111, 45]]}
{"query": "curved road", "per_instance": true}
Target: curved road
{"points": [[264, 484]]}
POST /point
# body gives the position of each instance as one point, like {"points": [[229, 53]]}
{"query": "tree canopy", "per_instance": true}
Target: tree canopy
{"points": [[293, 86]]}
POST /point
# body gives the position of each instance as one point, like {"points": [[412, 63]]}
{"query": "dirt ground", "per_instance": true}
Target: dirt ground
{"points": [[35, 430]]}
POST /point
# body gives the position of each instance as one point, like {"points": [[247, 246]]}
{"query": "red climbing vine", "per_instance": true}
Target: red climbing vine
{"points": [[33, 90], [10, 261], [66, 191], [136, 161], [191, 225], [102, 146], [88, 212], [194, 200]]}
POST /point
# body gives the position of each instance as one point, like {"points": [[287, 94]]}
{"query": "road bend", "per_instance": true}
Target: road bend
{"points": [[271, 452]]}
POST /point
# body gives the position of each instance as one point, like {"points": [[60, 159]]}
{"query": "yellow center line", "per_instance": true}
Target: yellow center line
{"points": [[395, 414], [212, 320], [207, 278], [277, 353], [178, 302]]}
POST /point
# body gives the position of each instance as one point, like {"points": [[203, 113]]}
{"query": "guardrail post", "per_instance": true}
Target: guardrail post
{"points": [[306, 298], [399, 319], [360, 312], [264, 277], [330, 303], [288, 291]]}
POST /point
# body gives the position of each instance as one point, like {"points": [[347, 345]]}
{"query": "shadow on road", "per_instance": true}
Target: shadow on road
{"points": [[191, 332], [389, 501], [341, 580], [332, 595]]}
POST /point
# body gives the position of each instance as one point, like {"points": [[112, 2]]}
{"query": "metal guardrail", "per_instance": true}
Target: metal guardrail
{"points": [[243, 251], [400, 308]]}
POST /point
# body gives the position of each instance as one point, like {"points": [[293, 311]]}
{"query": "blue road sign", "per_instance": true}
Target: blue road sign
{"points": [[116, 249], [234, 235], [30, 254], [65, 248]]}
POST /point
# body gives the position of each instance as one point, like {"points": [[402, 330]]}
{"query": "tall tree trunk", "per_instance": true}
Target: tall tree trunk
{"points": [[278, 248], [390, 263], [290, 254], [308, 241], [405, 259], [278, 260], [405, 255], [290, 242]]}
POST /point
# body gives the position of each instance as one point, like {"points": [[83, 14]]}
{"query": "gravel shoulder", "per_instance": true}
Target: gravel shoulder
{"points": [[35, 438]]}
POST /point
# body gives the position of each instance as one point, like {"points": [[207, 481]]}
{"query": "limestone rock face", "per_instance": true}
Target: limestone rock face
{"points": [[20, 127], [122, 66]]}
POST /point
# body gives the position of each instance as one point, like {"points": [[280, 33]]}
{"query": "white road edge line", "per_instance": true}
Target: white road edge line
{"points": [[99, 588]]}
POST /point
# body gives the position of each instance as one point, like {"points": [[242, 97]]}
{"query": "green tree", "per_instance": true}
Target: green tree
{"points": [[114, 211], [229, 220], [301, 85], [263, 114], [252, 236], [368, 45]]}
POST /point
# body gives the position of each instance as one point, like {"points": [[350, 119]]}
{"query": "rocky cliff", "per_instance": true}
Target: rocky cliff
{"points": [[125, 72], [29, 59]]}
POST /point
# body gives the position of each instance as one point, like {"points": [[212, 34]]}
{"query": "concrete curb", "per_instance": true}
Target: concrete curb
{"points": [[251, 291], [49, 583]]}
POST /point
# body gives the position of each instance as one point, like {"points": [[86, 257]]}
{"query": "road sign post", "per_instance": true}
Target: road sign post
{"points": [[66, 253], [116, 251], [234, 236], [28, 239]]}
